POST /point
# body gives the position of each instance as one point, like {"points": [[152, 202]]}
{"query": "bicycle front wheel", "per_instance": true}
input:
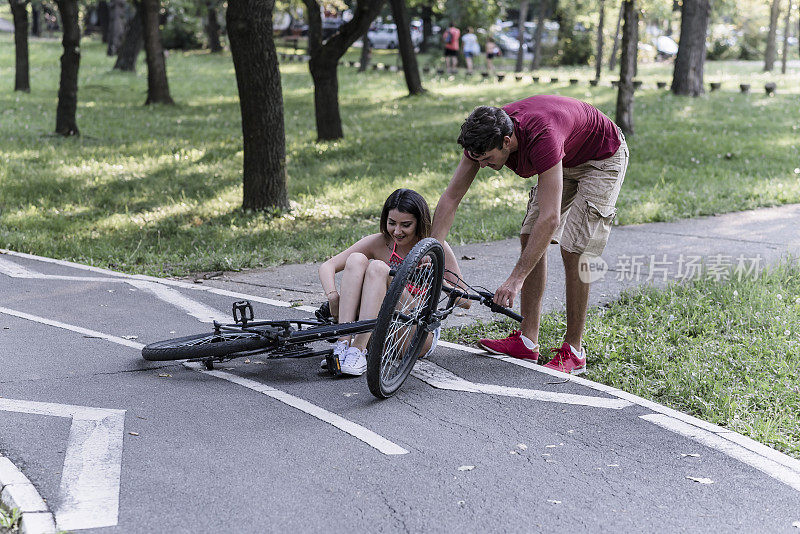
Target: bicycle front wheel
{"points": [[400, 329], [203, 346]]}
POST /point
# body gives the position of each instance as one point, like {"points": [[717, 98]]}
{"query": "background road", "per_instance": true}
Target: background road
{"points": [[118, 444]]}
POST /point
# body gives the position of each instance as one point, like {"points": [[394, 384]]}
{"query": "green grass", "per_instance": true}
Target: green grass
{"points": [[9, 520], [158, 189], [728, 353]]}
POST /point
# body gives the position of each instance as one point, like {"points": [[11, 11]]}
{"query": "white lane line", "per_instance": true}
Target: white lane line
{"points": [[746, 442], [763, 451], [441, 378], [200, 311], [73, 328], [462, 348], [357, 431], [89, 491], [12, 269], [367, 436], [164, 281], [721, 443]]}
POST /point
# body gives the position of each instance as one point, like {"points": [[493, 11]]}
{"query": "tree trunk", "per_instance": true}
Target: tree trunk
{"points": [[687, 77], [213, 29], [537, 35], [612, 60], [598, 64], [36, 20], [627, 67], [157, 85], [324, 60], [116, 26], [406, 47], [66, 124], [103, 16], [132, 43], [22, 80], [771, 52], [523, 16], [366, 52], [255, 61], [427, 27], [786, 29], [326, 98]]}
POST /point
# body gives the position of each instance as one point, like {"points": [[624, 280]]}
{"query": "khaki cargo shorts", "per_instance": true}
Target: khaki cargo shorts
{"points": [[587, 203]]}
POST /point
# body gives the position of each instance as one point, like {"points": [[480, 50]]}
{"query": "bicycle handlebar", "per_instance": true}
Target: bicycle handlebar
{"points": [[484, 297]]}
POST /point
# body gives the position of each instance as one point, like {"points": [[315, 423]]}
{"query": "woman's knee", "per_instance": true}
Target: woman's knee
{"points": [[377, 269], [356, 261]]}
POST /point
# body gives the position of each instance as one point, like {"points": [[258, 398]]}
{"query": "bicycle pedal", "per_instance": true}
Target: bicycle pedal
{"points": [[334, 365], [242, 312]]}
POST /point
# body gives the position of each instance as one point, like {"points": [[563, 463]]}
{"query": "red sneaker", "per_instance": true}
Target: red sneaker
{"points": [[512, 346], [566, 362]]}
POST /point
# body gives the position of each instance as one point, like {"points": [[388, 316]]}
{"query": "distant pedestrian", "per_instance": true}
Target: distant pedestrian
{"points": [[450, 39], [492, 51], [469, 43]]}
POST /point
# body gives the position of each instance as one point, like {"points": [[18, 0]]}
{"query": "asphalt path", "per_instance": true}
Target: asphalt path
{"points": [[114, 443]]}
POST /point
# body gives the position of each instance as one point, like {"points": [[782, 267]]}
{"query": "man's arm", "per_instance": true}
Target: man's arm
{"points": [[551, 184], [445, 211]]}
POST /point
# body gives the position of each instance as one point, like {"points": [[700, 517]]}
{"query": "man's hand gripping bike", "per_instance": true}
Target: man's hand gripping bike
{"points": [[412, 308]]}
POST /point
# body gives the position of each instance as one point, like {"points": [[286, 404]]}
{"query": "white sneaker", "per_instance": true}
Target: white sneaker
{"points": [[338, 350], [354, 362], [436, 334]]}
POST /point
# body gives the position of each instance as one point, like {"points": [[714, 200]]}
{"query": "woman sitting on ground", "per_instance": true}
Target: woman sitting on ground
{"points": [[405, 220]]}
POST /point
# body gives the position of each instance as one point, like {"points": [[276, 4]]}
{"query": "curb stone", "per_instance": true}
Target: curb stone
{"points": [[17, 491]]}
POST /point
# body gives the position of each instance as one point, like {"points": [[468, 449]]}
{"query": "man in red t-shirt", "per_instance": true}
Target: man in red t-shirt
{"points": [[450, 39], [580, 157]]}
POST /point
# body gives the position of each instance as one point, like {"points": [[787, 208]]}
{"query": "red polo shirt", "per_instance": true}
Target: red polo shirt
{"points": [[552, 128]]}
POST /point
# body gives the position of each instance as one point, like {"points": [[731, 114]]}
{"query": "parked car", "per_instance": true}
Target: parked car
{"points": [[509, 45], [385, 36]]}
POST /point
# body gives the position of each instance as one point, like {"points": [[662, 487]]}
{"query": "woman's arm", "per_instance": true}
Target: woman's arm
{"points": [[328, 270]]}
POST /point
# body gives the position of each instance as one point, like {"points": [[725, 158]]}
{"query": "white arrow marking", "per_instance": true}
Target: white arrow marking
{"points": [[89, 492], [438, 377], [357, 431]]}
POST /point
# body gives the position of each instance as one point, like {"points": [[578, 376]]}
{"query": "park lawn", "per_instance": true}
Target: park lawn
{"points": [[725, 352], [157, 189]]}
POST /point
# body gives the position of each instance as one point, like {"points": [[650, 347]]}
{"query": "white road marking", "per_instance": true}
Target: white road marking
{"points": [[73, 328], [89, 491], [438, 377], [757, 448], [200, 311], [367, 436], [462, 348], [357, 431], [720, 442], [164, 281], [12, 269]]}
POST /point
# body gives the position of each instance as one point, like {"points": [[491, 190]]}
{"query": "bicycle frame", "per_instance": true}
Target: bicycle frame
{"points": [[284, 341]]}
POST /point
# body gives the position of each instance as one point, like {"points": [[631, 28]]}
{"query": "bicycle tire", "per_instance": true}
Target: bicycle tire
{"points": [[396, 340], [208, 345]]}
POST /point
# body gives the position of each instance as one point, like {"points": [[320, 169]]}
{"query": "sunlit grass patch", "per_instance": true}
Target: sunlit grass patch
{"points": [[157, 188]]}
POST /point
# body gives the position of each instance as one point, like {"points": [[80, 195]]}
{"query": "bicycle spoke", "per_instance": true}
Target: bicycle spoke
{"points": [[400, 335]]}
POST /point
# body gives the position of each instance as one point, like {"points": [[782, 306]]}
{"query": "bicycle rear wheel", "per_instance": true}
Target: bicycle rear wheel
{"points": [[400, 329], [203, 346]]}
